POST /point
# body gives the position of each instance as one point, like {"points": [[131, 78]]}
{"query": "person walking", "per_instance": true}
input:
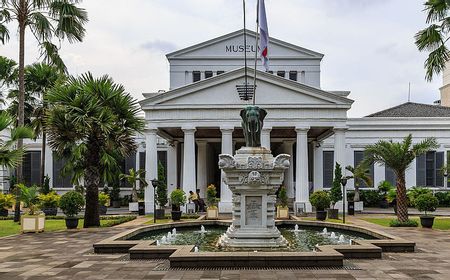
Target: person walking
{"points": [[194, 198]]}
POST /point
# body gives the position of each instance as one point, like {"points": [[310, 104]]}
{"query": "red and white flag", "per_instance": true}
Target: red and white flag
{"points": [[264, 34]]}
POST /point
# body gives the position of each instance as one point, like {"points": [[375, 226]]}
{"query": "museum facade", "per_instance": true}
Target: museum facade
{"points": [[198, 118]]}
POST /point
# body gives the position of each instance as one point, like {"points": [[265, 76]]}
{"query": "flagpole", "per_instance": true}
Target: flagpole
{"points": [[256, 51], [245, 53]]}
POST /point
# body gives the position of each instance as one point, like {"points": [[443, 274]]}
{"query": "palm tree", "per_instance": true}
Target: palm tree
{"points": [[47, 19], [434, 37], [8, 75], [95, 119], [398, 156], [360, 173], [132, 178]]}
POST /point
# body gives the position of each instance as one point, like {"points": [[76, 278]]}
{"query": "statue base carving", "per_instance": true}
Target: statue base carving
{"points": [[253, 176]]}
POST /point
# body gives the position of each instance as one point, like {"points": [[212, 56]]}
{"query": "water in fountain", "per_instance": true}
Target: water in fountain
{"points": [[157, 243], [174, 231], [341, 238], [164, 239], [333, 235], [325, 231], [195, 249], [169, 236], [296, 228], [351, 241], [202, 229]]}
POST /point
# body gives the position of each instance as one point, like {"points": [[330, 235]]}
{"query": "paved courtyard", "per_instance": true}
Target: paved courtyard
{"points": [[68, 255]]}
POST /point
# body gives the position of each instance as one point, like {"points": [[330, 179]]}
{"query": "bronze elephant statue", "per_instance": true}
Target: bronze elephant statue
{"points": [[252, 123]]}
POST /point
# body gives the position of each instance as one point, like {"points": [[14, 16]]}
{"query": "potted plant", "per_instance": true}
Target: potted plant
{"points": [[103, 203], [49, 203], [6, 202], [426, 203], [132, 177], [320, 200], [384, 187], [32, 221], [282, 207], [335, 192], [71, 204], [161, 192], [178, 198], [212, 212]]}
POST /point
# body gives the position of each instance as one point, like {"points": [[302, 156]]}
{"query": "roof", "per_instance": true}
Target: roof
{"points": [[413, 110]]}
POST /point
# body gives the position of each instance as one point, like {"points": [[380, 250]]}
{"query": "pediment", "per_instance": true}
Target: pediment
{"points": [[232, 46], [220, 91]]}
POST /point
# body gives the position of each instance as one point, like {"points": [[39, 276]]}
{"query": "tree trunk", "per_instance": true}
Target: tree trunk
{"points": [[20, 117], [402, 202], [44, 140], [92, 181]]}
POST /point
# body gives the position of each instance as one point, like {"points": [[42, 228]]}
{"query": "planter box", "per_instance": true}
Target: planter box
{"points": [[359, 206], [212, 214], [133, 206], [32, 223], [282, 212]]}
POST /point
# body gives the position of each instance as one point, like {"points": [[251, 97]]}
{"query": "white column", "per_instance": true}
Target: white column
{"points": [[49, 164], [172, 167], [227, 148], [189, 182], [339, 155], [301, 173], [151, 166], [318, 166], [289, 173], [265, 137], [202, 179]]}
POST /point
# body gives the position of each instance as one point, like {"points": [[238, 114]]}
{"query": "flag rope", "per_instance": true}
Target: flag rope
{"points": [[256, 51]]}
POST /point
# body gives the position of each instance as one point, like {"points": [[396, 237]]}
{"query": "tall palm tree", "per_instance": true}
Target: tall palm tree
{"points": [[8, 75], [96, 119], [360, 174], [433, 38], [46, 19], [132, 178], [398, 156]]}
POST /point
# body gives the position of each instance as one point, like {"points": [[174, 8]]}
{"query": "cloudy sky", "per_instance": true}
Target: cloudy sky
{"points": [[368, 44]]}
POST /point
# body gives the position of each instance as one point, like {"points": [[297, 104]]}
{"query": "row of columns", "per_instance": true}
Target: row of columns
{"points": [[194, 175]]}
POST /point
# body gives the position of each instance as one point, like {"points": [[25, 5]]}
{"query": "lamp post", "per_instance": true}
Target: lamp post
{"points": [[344, 192], [155, 183], [445, 180]]}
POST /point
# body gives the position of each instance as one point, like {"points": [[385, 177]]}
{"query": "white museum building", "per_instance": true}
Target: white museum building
{"points": [[198, 118]]}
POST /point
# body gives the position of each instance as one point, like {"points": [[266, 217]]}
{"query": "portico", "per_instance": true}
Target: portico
{"points": [[203, 121]]}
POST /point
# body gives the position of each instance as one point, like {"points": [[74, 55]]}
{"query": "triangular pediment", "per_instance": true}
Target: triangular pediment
{"points": [[232, 45], [220, 91]]}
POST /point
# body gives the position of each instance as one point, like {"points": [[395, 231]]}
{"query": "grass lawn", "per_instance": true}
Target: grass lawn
{"points": [[439, 223], [339, 221], [9, 227]]}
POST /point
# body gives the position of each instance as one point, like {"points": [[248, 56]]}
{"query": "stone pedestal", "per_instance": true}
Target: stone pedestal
{"points": [[253, 176]]}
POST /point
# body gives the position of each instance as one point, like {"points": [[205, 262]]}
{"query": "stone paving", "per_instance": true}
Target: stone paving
{"points": [[68, 255]]}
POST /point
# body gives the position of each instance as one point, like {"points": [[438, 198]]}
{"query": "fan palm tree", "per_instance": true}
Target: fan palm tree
{"points": [[132, 178], [398, 156], [46, 19], [433, 38], [360, 174], [95, 119], [8, 75]]}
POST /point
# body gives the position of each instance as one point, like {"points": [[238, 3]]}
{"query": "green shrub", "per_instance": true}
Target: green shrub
{"points": [[426, 202], [71, 203], [49, 200], [409, 223], [6, 200], [385, 186], [283, 197], [103, 199], [178, 198], [443, 198], [336, 191], [29, 196], [415, 192], [211, 196], [161, 190], [320, 200], [371, 198], [391, 195], [115, 220]]}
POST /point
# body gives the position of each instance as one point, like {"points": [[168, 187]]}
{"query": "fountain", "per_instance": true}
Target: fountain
{"points": [[324, 231], [333, 235], [174, 232], [253, 175], [169, 236], [164, 240], [341, 238], [296, 228], [195, 249], [158, 243], [202, 229]]}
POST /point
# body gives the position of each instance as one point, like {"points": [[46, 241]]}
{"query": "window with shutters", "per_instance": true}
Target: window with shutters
{"points": [[31, 168], [127, 164], [293, 75], [328, 164], [358, 158], [196, 76], [428, 169], [208, 74], [389, 175], [60, 181], [162, 157]]}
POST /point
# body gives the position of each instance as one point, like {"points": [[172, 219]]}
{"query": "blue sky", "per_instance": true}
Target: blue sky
{"points": [[368, 44]]}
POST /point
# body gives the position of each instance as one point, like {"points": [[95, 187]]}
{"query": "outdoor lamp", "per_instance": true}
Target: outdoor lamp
{"points": [[155, 183], [344, 192]]}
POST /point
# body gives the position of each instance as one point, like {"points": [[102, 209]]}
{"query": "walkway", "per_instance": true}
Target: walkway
{"points": [[68, 255]]}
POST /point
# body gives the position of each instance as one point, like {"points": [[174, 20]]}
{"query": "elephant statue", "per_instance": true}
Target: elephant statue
{"points": [[252, 123]]}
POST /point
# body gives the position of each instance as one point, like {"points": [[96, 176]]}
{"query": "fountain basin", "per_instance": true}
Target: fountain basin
{"points": [[184, 255]]}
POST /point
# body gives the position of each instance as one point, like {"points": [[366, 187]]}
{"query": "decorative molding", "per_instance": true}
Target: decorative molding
{"points": [[282, 161], [254, 178], [226, 161]]}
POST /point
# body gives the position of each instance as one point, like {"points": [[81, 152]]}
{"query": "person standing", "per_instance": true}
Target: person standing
{"points": [[194, 198]]}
